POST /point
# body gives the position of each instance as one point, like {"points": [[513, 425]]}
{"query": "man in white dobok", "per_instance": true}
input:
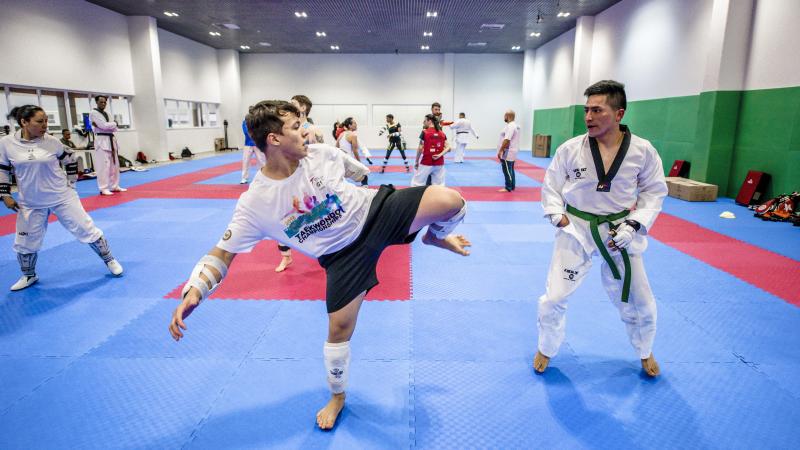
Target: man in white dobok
{"points": [[603, 190], [106, 155], [462, 128]]}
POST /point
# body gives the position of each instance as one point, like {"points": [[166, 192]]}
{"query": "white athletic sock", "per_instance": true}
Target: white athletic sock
{"points": [[337, 365]]}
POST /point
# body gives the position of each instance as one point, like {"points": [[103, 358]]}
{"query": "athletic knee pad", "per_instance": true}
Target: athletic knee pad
{"points": [[102, 249], [443, 228], [27, 263], [337, 365]]}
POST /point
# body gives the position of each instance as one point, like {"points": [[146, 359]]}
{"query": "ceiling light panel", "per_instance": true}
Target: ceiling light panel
{"points": [[379, 26]]}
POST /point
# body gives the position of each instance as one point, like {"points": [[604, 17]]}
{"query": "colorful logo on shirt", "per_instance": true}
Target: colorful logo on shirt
{"points": [[312, 216], [227, 235]]}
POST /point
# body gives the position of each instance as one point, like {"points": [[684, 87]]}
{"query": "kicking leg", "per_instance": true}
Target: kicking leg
{"points": [[286, 258], [336, 352], [441, 209]]}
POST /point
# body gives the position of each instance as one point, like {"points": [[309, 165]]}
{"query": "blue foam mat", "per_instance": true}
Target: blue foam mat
{"points": [[273, 404], [86, 360], [117, 403]]}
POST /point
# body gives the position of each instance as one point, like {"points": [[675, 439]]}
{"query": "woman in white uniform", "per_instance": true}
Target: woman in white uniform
{"points": [[35, 158], [349, 143]]}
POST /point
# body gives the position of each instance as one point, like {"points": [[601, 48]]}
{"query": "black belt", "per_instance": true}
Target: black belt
{"points": [[462, 132], [113, 143]]}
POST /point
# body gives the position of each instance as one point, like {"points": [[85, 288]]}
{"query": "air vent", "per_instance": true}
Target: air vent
{"points": [[492, 26], [476, 44]]}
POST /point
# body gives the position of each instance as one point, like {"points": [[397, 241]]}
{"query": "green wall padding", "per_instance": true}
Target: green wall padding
{"points": [[768, 139], [722, 133]]}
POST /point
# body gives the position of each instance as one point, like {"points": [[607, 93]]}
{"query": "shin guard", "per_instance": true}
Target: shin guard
{"points": [[337, 365], [27, 263], [443, 228], [102, 249]]}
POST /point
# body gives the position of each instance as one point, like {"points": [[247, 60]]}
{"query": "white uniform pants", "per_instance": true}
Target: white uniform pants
{"points": [[421, 175], [106, 166], [569, 266], [247, 153], [32, 225], [459, 152]]}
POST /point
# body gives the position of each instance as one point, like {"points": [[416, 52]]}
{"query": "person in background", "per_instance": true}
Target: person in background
{"points": [[429, 165], [44, 188], [106, 154], [507, 150], [248, 152], [462, 128]]}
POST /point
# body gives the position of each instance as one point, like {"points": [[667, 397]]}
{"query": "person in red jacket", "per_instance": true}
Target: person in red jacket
{"points": [[430, 154]]}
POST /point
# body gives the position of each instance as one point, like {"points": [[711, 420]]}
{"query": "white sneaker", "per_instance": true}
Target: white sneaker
{"points": [[119, 189], [106, 192], [114, 267], [244, 181], [24, 282]]}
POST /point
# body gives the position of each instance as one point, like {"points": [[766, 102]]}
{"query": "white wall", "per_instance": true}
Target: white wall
{"points": [[189, 69], [774, 60], [552, 72], [658, 48], [486, 85], [65, 44], [197, 139], [481, 85]]}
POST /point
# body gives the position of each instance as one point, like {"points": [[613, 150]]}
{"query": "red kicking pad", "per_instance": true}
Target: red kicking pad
{"points": [[252, 276]]}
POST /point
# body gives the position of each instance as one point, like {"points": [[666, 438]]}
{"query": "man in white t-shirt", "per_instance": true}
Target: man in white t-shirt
{"points": [[301, 199], [507, 150]]}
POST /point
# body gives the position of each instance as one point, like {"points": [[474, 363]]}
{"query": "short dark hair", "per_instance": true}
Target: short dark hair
{"points": [[347, 122], [98, 97], [65, 130], [389, 116], [25, 112], [265, 117], [435, 104], [613, 90], [305, 101], [462, 115]]}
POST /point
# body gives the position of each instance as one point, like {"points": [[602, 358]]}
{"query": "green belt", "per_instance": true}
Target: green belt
{"points": [[595, 221]]}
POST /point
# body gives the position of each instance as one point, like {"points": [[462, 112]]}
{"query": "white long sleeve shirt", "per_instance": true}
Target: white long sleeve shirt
{"points": [[41, 181], [101, 125], [462, 128], [572, 179]]}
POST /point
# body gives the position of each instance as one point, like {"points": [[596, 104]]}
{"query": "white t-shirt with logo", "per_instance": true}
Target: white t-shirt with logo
{"points": [[41, 181], [315, 210], [511, 132]]}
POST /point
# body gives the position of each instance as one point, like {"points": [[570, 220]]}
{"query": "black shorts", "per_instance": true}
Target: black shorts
{"points": [[352, 270]]}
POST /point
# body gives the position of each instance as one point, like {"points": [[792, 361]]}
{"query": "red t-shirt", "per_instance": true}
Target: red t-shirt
{"points": [[433, 144]]}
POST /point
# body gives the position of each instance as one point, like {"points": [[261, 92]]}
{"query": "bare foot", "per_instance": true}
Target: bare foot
{"points": [[456, 243], [540, 362], [650, 366], [286, 261], [503, 190], [326, 417]]}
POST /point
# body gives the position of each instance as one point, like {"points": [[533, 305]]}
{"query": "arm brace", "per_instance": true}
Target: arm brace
{"points": [[201, 285]]}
